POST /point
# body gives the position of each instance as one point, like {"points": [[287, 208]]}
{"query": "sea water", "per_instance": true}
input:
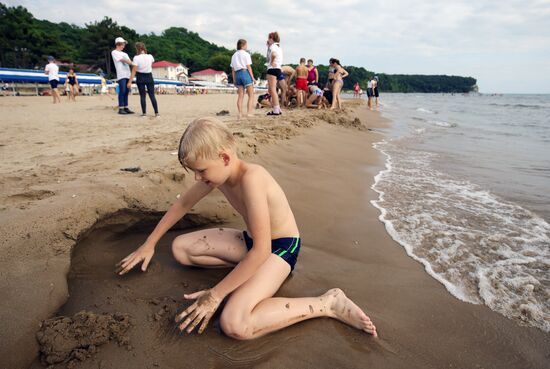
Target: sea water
{"points": [[466, 192]]}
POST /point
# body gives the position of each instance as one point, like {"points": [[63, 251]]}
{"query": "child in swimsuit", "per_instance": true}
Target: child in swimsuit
{"points": [[301, 82], [262, 256], [71, 85]]}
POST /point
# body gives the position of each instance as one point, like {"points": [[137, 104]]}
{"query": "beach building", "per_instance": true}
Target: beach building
{"points": [[211, 75], [168, 70]]}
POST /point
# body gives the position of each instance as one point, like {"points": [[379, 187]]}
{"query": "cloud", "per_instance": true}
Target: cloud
{"points": [[464, 37]]}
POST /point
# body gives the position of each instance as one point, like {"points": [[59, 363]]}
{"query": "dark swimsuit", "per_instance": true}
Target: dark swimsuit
{"points": [[287, 248], [72, 80]]}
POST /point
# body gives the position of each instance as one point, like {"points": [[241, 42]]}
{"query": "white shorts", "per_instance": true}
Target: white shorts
{"points": [[104, 89]]}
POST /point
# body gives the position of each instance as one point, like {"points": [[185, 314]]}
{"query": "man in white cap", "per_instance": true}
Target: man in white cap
{"points": [[122, 65], [52, 70]]}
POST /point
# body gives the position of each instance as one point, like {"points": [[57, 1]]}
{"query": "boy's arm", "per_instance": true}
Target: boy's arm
{"points": [[257, 210], [233, 74], [316, 76], [176, 212]]}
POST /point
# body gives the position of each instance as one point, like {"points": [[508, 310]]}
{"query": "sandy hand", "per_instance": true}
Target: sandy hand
{"points": [[206, 305], [143, 254]]}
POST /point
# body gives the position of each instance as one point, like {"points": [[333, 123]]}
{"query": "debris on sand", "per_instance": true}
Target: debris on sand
{"points": [[73, 339]]}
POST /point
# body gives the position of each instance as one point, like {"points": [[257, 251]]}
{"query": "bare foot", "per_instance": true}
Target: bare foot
{"points": [[345, 310]]}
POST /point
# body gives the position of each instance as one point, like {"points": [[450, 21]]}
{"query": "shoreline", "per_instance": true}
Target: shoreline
{"points": [[345, 245]]}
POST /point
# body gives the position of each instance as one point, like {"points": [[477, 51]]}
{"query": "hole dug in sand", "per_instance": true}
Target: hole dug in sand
{"points": [[107, 315]]}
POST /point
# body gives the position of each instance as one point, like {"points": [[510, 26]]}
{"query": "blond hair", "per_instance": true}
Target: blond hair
{"points": [[203, 139]]}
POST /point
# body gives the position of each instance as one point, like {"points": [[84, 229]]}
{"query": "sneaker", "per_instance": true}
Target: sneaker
{"points": [[157, 115], [273, 113], [143, 115], [128, 111], [122, 111]]}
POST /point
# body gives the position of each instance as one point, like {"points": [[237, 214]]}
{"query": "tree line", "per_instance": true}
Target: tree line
{"points": [[25, 42]]}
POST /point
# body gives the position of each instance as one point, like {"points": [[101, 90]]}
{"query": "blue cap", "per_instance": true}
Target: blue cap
{"points": [[50, 58]]}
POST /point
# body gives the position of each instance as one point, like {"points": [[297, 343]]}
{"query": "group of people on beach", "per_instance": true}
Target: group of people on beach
{"points": [[372, 91], [287, 86], [71, 81]]}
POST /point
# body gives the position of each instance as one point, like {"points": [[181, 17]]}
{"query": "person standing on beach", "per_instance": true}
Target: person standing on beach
{"points": [[312, 73], [338, 83], [143, 71], [301, 82], [122, 65], [375, 89], [261, 257], [370, 92], [71, 83], [52, 70], [243, 77], [274, 63]]}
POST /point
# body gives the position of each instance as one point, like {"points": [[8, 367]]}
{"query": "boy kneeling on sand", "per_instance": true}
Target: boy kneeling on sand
{"points": [[262, 256]]}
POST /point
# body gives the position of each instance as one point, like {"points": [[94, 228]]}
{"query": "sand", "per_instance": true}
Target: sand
{"points": [[69, 213]]}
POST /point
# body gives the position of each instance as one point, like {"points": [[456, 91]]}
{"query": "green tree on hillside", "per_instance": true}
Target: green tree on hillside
{"points": [[25, 42], [98, 42]]}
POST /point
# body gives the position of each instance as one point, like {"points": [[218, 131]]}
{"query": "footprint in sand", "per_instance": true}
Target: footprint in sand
{"points": [[31, 195]]}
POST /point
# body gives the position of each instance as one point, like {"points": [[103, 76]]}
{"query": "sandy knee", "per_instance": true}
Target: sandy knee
{"points": [[235, 324]]}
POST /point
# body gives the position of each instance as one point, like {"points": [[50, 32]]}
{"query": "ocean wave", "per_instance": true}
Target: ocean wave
{"points": [[483, 249], [419, 119], [529, 106], [441, 123], [427, 111]]}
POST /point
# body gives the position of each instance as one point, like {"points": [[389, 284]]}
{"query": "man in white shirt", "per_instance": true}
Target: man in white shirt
{"points": [[52, 71], [122, 65]]}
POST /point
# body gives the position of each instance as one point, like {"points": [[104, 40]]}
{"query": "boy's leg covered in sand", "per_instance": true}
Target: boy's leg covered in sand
{"points": [[251, 311]]}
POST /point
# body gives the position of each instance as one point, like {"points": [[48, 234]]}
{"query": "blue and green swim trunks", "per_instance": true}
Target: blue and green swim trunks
{"points": [[287, 248]]}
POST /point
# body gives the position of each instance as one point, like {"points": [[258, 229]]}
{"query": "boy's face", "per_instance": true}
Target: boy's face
{"points": [[213, 172]]}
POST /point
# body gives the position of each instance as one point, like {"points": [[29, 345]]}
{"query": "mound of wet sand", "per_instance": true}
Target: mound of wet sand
{"points": [[74, 339]]}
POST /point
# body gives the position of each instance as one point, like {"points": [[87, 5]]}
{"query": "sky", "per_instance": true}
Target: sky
{"points": [[504, 44]]}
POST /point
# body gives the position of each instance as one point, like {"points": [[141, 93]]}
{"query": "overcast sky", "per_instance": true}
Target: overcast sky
{"points": [[504, 44]]}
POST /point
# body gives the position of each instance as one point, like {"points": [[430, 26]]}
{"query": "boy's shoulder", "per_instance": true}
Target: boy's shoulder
{"points": [[254, 175]]}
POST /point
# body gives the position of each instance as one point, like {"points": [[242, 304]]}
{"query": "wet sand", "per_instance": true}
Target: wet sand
{"points": [[326, 171]]}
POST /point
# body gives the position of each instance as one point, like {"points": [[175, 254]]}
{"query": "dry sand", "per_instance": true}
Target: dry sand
{"points": [[62, 186]]}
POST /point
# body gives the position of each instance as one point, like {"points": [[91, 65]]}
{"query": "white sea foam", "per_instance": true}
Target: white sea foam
{"points": [[480, 247], [441, 123], [427, 111]]}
